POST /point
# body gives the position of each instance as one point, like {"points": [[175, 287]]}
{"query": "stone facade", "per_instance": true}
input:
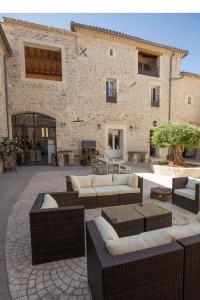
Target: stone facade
{"points": [[82, 92]]}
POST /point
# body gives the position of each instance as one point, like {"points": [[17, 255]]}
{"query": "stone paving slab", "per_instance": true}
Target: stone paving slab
{"points": [[66, 279]]}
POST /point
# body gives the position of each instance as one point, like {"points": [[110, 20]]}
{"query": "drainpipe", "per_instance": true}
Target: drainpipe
{"points": [[170, 87], [6, 95]]}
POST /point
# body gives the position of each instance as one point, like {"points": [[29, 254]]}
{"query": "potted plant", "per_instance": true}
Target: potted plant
{"points": [[8, 152], [176, 137]]}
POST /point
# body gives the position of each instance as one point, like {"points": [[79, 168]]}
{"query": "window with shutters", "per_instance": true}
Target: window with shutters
{"points": [[43, 63]]}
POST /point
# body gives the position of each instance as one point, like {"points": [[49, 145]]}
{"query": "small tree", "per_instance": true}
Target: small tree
{"points": [[176, 137], [8, 151]]}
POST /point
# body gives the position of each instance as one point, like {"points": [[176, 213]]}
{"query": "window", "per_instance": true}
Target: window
{"points": [[189, 100], [43, 63], [155, 96], [111, 52], [148, 64], [111, 94]]}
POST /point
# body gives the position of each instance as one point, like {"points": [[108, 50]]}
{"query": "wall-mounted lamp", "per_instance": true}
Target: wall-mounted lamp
{"points": [[99, 126], [63, 124], [155, 123], [131, 127]]}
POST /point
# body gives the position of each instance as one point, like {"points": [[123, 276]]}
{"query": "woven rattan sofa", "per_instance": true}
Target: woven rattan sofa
{"points": [[167, 271], [186, 193], [119, 196], [149, 274], [57, 233]]}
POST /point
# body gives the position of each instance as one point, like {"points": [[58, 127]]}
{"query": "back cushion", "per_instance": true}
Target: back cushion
{"points": [[120, 179], [102, 180], [138, 242], [191, 183], [49, 202], [106, 231], [75, 183], [84, 181], [133, 180]]}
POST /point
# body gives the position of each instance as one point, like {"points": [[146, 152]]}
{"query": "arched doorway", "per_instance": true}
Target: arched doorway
{"points": [[37, 133]]}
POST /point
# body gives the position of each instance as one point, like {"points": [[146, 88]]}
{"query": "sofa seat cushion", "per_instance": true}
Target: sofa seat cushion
{"points": [[102, 180], [138, 242], [133, 180], [191, 183], [49, 202], [187, 193], [126, 189], [106, 190], [120, 179], [106, 230], [179, 232], [87, 192]]}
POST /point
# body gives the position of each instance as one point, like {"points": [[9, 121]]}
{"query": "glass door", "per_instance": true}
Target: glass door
{"points": [[115, 143]]}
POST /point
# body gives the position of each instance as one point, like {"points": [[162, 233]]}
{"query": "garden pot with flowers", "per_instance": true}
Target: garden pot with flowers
{"points": [[176, 137], [8, 153]]}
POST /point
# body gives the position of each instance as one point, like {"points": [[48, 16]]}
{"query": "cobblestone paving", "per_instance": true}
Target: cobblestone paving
{"points": [[66, 279]]}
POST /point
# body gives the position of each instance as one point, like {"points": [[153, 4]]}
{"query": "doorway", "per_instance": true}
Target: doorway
{"points": [[152, 147], [37, 134], [115, 143]]}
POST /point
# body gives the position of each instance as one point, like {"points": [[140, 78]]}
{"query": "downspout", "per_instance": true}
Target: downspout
{"points": [[170, 87], [6, 95]]}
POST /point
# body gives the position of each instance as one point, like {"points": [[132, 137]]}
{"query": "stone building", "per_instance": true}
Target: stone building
{"points": [[90, 83]]}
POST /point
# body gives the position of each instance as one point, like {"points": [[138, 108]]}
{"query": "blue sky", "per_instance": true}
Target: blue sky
{"points": [[179, 30]]}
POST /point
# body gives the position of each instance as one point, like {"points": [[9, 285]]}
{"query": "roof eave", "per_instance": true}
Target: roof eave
{"points": [[73, 24], [5, 40]]}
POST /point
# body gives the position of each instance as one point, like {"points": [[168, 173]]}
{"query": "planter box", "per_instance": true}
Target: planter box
{"points": [[177, 171]]}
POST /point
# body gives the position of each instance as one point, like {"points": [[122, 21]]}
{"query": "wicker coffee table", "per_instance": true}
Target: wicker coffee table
{"points": [[161, 193], [135, 218], [156, 217], [125, 219]]}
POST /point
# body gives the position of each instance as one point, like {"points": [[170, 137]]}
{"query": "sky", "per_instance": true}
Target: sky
{"points": [[179, 30]]}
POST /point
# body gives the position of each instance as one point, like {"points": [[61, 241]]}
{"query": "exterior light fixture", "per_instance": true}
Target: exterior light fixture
{"points": [[155, 123], [99, 126], [131, 127]]}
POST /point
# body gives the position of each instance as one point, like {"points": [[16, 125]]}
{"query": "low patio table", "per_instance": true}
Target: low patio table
{"points": [[156, 217], [161, 193], [125, 219], [110, 162], [133, 219]]}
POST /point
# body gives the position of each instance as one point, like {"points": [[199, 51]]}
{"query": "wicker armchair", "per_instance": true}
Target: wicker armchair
{"points": [[191, 267], [183, 202], [150, 274], [57, 233]]}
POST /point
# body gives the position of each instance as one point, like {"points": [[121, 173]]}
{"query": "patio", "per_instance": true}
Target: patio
{"points": [[66, 279]]}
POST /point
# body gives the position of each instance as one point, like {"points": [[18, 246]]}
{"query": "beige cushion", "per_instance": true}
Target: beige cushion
{"points": [[187, 193], [49, 202], [84, 181], [138, 242], [75, 183], [179, 232], [126, 189], [191, 183], [87, 192], [120, 179], [102, 180], [106, 231], [133, 180], [106, 190], [198, 216]]}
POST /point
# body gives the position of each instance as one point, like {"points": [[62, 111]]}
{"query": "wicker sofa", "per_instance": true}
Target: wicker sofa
{"points": [[168, 271], [149, 274], [57, 233], [186, 193], [109, 195]]}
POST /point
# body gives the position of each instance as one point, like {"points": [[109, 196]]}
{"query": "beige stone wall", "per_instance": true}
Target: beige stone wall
{"points": [[82, 93], [181, 110]]}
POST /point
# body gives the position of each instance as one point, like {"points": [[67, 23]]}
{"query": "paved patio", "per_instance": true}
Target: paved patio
{"points": [[66, 279]]}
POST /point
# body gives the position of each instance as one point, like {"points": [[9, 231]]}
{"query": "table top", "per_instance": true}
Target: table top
{"points": [[123, 213], [110, 161], [150, 209]]}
